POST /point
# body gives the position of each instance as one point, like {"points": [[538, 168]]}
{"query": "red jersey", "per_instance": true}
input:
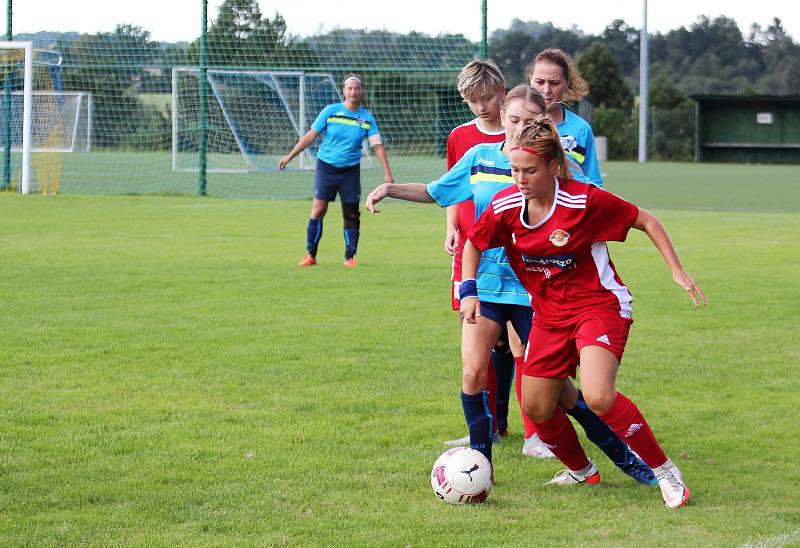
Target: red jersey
{"points": [[460, 140], [562, 261]]}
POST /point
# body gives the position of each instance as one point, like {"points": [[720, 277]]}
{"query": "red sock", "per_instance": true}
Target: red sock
{"points": [[530, 428], [627, 421], [559, 434], [491, 390]]}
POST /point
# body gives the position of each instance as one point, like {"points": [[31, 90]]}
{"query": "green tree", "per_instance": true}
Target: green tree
{"points": [[242, 36], [515, 48], [671, 122], [603, 73], [622, 41]]}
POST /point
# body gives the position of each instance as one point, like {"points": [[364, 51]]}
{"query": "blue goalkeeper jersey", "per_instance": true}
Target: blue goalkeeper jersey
{"points": [[481, 173], [577, 140], [344, 132]]}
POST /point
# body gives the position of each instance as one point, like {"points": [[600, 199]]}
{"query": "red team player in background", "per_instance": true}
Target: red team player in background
{"points": [[554, 230], [482, 86]]}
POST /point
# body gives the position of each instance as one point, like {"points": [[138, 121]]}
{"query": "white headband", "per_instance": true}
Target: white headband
{"points": [[356, 78]]}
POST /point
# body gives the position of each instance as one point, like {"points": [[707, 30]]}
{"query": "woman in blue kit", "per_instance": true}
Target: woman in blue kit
{"points": [[344, 127], [554, 75]]}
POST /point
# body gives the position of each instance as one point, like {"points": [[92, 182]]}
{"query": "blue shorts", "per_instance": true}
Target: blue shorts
{"points": [[328, 180], [520, 317]]}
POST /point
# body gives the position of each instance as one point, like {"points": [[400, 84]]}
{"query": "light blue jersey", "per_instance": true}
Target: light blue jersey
{"points": [[481, 173], [344, 132], [577, 141]]}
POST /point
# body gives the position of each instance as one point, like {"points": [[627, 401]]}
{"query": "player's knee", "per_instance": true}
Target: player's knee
{"points": [[600, 401], [351, 216], [537, 409], [501, 347], [472, 381], [568, 398]]}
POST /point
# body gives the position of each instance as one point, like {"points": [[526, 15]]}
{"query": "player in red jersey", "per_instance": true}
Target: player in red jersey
{"points": [[554, 230], [482, 86]]}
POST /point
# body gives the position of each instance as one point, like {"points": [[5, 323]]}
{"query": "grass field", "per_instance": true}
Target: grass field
{"points": [[170, 376], [665, 185]]}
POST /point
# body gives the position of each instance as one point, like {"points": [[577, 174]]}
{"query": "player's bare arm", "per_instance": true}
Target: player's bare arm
{"points": [[451, 235], [411, 192], [301, 145], [650, 225]]}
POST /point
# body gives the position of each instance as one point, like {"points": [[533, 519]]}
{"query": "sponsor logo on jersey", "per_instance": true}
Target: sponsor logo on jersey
{"points": [[559, 237], [485, 162], [570, 145], [549, 265]]}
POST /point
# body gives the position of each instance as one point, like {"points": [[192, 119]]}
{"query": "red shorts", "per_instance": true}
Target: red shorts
{"points": [[455, 279], [553, 352]]}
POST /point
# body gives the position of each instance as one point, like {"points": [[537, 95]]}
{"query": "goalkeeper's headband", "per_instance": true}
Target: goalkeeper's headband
{"points": [[356, 78], [534, 152]]}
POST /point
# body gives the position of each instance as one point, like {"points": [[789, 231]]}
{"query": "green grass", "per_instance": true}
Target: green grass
{"points": [[655, 184], [169, 376]]}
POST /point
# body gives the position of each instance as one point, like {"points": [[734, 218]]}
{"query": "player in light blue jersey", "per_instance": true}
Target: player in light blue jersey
{"points": [[553, 73], [483, 171], [344, 127]]}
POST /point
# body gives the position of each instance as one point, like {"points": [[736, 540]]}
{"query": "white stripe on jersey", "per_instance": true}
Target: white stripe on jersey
{"points": [[562, 195], [509, 202], [606, 275], [577, 201], [573, 206]]}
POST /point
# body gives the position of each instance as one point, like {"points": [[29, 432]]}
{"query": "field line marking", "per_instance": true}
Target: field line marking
{"points": [[778, 540]]}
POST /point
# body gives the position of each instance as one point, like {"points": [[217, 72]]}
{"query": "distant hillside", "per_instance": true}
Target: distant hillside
{"points": [[46, 39]]}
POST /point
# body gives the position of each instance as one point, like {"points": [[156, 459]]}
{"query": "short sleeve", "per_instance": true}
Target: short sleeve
{"points": [[591, 168], [609, 216], [454, 186], [451, 151], [373, 126], [488, 231], [321, 122]]}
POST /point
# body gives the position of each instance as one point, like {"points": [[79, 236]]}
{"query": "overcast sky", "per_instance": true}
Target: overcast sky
{"points": [[174, 20]]}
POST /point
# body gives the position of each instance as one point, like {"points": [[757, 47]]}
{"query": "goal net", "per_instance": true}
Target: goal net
{"points": [[61, 121], [253, 117], [38, 121]]}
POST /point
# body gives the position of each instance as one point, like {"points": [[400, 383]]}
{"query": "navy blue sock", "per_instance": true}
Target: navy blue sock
{"points": [[503, 362], [479, 421], [350, 242], [313, 236], [599, 432]]}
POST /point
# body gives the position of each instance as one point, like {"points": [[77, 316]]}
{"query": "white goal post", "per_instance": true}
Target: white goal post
{"points": [[62, 121], [253, 117], [27, 110]]}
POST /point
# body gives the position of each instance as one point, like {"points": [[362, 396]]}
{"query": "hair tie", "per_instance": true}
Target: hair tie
{"points": [[532, 151]]}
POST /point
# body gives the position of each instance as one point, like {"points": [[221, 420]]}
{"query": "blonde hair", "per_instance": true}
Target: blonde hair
{"points": [[525, 93], [479, 79], [542, 137], [577, 87]]}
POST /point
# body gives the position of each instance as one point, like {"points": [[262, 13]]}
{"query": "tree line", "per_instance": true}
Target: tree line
{"points": [[711, 56]]}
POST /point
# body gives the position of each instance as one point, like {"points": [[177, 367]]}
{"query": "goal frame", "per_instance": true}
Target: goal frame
{"points": [[27, 112], [299, 122]]}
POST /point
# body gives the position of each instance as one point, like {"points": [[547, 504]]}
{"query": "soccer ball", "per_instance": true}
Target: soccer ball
{"points": [[462, 475]]}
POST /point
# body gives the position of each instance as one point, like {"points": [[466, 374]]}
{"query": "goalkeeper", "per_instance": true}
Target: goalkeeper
{"points": [[344, 126]]}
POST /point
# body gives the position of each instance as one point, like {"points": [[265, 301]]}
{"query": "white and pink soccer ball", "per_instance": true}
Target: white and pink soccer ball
{"points": [[461, 476]]}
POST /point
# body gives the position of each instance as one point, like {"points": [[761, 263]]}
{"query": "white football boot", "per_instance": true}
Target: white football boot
{"points": [[536, 448], [589, 475], [673, 488]]}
